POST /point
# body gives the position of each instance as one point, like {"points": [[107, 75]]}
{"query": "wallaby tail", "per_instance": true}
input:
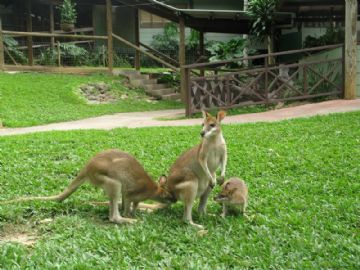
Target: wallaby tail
{"points": [[77, 182]]}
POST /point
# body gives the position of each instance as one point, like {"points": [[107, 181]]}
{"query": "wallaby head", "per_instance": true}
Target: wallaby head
{"points": [[226, 192], [163, 195], [211, 125]]}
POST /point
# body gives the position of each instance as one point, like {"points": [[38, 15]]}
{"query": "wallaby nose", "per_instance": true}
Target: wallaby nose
{"points": [[202, 133]]}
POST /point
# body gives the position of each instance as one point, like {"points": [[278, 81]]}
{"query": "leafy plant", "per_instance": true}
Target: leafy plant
{"points": [[168, 40], [170, 78], [263, 17], [68, 12], [234, 48], [332, 36], [70, 54], [47, 57], [73, 54], [12, 46], [193, 40]]}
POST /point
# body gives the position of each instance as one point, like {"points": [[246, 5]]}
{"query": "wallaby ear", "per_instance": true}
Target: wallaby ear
{"points": [[221, 115], [205, 114], [162, 180]]}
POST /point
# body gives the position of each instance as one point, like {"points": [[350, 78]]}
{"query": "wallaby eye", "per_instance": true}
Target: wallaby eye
{"points": [[212, 125]]}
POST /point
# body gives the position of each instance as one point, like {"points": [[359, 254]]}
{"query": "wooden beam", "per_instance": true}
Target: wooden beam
{"points": [[350, 49], [41, 34], [137, 38], [182, 59], [1, 48], [144, 52], [29, 29], [109, 35], [52, 25]]}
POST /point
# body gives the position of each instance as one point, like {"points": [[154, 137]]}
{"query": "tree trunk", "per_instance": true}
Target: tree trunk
{"points": [[270, 49]]}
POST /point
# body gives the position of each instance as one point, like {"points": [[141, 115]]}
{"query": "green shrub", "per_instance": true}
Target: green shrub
{"points": [[228, 51], [12, 47], [332, 36]]}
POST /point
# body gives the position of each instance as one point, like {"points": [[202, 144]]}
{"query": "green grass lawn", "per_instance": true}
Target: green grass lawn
{"points": [[304, 208], [28, 99]]}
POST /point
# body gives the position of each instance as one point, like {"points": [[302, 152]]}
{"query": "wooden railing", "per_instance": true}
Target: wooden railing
{"points": [[80, 39], [161, 55], [145, 52], [224, 88]]}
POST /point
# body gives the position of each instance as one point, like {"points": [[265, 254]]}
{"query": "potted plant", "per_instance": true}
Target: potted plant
{"points": [[68, 15]]}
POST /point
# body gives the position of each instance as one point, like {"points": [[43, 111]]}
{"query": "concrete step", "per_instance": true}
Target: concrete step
{"points": [[174, 96], [155, 86], [142, 82], [138, 76], [160, 92], [126, 72]]}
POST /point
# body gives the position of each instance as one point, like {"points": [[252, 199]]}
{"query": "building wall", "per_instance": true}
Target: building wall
{"points": [[123, 23]]}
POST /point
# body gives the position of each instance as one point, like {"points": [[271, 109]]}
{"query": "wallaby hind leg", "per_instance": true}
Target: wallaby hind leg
{"points": [[188, 195], [126, 206], [113, 190], [203, 200]]}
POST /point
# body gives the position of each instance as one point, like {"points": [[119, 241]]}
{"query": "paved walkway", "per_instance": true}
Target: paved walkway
{"points": [[150, 119]]}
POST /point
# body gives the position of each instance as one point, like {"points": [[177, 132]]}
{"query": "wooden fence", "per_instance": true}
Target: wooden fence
{"points": [[265, 84], [76, 39]]}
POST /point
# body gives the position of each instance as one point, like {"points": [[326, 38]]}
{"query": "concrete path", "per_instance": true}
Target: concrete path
{"points": [[150, 119]]}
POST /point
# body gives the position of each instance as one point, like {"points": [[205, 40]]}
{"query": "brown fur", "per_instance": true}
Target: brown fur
{"points": [[118, 174], [233, 195], [193, 173]]}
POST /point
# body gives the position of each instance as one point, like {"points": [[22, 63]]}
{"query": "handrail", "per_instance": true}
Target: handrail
{"points": [[144, 52], [217, 63], [39, 34], [160, 53]]}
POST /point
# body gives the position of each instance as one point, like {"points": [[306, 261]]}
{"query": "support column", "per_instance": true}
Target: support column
{"points": [[350, 49], [1, 50], [201, 49], [52, 25], [109, 33], [29, 29], [137, 39], [182, 59]]}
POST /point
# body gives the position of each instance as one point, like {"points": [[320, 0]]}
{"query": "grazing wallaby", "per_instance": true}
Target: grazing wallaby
{"points": [[119, 175], [193, 173], [233, 196]]}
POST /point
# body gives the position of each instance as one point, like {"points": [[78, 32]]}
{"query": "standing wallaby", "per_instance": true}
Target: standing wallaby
{"points": [[193, 173], [119, 175], [233, 196]]}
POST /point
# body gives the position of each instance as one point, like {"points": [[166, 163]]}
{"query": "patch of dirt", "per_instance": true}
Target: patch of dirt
{"points": [[98, 93], [20, 235]]}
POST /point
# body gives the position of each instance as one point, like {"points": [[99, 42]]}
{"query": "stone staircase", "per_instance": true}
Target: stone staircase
{"points": [[151, 86]]}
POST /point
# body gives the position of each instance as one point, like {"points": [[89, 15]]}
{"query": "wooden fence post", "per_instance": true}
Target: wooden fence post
{"points": [[59, 53], [350, 48], [52, 25], [109, 35], [182, 59], [188, 105], [266, 79], [137, 39], [29, 29], [1, 48]]}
